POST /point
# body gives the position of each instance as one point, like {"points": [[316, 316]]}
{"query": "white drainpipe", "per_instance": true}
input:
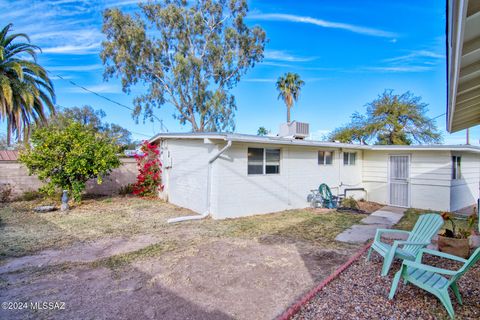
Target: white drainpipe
{"points": [[209, 187]]}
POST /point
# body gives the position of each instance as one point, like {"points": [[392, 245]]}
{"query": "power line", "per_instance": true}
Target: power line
{"points": [[440, 115], [162, 126], [140, 134]]}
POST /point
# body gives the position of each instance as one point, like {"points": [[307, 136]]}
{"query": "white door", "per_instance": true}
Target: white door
{"points": [[399, 174]]}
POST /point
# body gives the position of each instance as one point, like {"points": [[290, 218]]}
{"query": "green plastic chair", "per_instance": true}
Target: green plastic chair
{"points": [[431, 278], [421, 236], [328, 199]]}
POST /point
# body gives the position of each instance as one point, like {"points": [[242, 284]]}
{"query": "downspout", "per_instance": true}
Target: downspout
{"points": [[209, 188]]}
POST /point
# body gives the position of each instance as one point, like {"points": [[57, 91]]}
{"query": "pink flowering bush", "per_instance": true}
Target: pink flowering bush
{"points": [[149, 180]]}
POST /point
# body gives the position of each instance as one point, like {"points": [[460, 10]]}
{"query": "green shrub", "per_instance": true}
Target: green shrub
{"points": [[66, 157], [350, 203]]}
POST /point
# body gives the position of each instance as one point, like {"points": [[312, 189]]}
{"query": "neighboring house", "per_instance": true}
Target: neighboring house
{"points": [[233, 175]]}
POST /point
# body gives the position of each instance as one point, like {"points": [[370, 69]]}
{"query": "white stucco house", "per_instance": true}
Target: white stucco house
{"points": [[232, 175]]}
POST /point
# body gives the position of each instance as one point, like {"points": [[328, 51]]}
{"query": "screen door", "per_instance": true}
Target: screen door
{"points": [[398, 180]]}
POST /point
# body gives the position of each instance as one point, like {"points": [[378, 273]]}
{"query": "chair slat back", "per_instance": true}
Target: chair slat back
{"points": [[325, 192], [470, 262], [425, 228]]}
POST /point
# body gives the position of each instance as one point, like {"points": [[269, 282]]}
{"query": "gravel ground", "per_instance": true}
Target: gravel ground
{"points": [[361, 293]]}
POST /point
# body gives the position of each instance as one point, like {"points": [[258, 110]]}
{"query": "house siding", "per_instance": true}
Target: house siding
{"points": [[299, 173], [235, 193], [185, 173], [465, 191], [430, 177]]}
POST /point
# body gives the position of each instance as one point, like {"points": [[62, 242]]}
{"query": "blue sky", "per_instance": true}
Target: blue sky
{"points": [[347, 52]]}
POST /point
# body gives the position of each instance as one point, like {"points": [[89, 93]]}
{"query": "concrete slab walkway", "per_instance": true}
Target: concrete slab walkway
{"points": [[383, 218]]}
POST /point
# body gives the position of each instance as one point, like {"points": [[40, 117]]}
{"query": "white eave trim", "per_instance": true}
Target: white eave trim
{"points": [[456, 30]]}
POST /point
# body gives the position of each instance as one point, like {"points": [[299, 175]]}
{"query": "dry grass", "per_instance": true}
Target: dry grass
{"points": [[24, 232], [411, 216], [295, 225]]}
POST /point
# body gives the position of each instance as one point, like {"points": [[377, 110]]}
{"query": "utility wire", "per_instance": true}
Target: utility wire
{"points": [[140, 134], [440, 115], [162, 126]]}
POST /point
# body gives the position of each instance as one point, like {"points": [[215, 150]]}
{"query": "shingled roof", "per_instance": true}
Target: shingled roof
{"points": [[8, 155]]}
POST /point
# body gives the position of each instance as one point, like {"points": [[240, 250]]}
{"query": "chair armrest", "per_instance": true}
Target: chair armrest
{"points": [[379, 232], [425, 267], [410, 243], [439, 254]]}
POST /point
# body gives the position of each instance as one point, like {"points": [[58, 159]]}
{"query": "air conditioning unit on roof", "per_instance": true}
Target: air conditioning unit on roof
{"points": [[294, 129]]}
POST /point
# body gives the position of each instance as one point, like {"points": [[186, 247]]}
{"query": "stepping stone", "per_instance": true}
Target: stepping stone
{"points": [[394, 217], [359, 233], [376, 220], [42, 209]]}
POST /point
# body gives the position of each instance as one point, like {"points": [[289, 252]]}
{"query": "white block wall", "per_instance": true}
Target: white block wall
{"points": [[185, 182], [234, 193], [238, 194]]}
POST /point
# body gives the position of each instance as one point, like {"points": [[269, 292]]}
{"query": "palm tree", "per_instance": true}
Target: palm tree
{"points": [[289, 87], [25, 88]]}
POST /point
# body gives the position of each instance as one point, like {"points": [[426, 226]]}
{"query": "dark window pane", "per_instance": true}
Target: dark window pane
{"points": [[321, 157], [456, 165], [272, 161], [255, 161], [328, 157], [345, 158], [353, 157]]}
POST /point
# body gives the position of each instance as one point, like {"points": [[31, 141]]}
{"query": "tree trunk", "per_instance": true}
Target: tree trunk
{"points": [[288, 114], [9, 132]]}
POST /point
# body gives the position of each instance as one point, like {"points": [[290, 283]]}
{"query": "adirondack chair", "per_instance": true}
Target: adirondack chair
{"points": [[431, 278], [426, 227]]}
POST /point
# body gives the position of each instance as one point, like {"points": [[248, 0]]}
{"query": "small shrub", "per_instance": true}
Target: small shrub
{"points": [[126, 189], [30, 195], [350, 203], [149, 179], [5, 192]]}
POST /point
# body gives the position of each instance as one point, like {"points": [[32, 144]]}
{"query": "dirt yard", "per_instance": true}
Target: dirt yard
{"points": [[118, 258]]}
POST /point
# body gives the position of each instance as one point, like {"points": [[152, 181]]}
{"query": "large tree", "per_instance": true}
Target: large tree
{"points": [[25, 88], [391, 119], [186, 54], [289, 87], [93, 119]]}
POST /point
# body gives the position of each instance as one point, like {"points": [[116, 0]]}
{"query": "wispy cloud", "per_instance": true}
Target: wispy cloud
{"points": [[88, 67], [415, 55], [280, 55], [413, 61], [98, 88], [397, 69], [324, 23], [74, 49]]}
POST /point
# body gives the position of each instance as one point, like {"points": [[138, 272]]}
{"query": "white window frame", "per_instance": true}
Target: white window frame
{"points": [[264, 167], [456, 167], [349, 157], [324, 162]]}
